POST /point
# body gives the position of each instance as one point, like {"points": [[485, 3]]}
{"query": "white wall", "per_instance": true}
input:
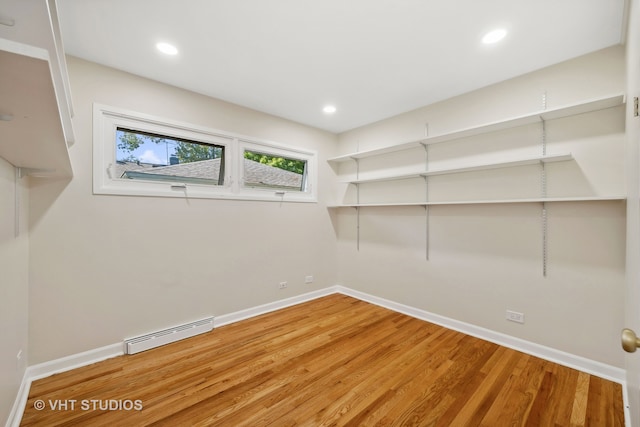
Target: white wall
{"points": [[485, 259], [105, 268], [14, 262]]}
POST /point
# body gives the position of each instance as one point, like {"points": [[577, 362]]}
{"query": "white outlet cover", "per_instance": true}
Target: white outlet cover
{"points": [[514, 316]]}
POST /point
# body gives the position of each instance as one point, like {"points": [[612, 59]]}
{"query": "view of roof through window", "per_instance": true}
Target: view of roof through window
{"points": [[264, 170], [150, 157]]}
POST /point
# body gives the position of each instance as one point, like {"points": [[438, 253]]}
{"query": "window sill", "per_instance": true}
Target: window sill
{"points": [[118, 187]]}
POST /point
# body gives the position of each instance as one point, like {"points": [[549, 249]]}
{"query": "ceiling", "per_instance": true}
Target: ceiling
{"points": [[372, 59]]}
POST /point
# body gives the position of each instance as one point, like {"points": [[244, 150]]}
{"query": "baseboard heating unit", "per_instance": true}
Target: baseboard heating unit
{"points": [[177, 333]]}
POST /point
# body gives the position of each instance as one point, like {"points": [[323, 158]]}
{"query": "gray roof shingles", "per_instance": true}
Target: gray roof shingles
{"points": [[256, 174]]}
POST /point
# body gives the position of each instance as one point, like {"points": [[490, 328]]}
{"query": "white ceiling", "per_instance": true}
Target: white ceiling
{"points": [[372, 59]]}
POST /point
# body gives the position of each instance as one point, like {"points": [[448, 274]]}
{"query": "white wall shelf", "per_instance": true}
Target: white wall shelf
{"points": [[35, 99], [541, 117], [470, 168], [512, 122], [485, 202]]}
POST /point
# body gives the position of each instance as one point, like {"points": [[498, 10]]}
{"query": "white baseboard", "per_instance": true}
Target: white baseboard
{"points": [[15, 416], [237, 316], [43, 370], [589, 366], [599, 369]]}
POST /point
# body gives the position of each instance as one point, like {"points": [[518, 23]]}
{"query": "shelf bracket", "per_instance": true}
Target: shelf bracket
{"points": [[426, 234], [426, 169], [17, 201], [426, 215], [544, 239], [426, 156], [357, 202], [544, 136], [543, 170], [357, 216], [543, 180], [426, 194], [357, 160], [543, 188], [358, 228]]}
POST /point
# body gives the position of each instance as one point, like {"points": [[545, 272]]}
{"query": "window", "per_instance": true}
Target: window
{"points": [[268, 171], [152, 157], [269, 168], [137, 154]]}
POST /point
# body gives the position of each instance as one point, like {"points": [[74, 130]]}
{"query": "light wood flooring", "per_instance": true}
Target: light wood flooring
{"points": [[333, 361]]}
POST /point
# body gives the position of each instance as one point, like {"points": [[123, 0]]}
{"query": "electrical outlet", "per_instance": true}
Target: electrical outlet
{"points": [[282, 285], [514, 316], [308, 279]]}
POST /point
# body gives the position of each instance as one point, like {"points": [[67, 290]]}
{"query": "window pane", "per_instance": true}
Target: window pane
{"points": [[151, 157], [263, 170]]}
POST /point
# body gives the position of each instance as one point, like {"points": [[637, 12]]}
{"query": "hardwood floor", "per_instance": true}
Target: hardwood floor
{"points": [[333, 361]]}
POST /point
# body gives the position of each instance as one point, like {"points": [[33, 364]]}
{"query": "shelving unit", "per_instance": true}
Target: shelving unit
{"points": [[544, 158], [485, 202], [471, 168], [508, 123], [35, 103]]}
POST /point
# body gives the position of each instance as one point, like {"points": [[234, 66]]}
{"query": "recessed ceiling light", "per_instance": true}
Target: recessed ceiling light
{"points": [[167, 48], [494, 36], [329, 109]]}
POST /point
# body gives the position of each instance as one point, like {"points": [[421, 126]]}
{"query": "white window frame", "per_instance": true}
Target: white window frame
{"points": [[271, 148], [107, 120]]}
